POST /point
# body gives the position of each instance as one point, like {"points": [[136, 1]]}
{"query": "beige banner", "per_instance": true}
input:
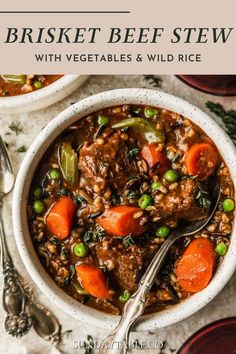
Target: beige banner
{"points": [[128, 37]]}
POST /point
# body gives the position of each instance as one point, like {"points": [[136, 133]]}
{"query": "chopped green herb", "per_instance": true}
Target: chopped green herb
{"points": [[102, 120], [16, 128], [94, 235], [63, 191], [79, 199], [131, 195], [153, 80], [175, 158], [115, 199], [127, 240], [67, 333], [54, 174], [132, 153], [79, 289], [125, 296], [150, 112], [103, 267], [54, 240], [21, 149], [202, 197], [64, 254], [72, 270], [188, 177], [66, 281]]}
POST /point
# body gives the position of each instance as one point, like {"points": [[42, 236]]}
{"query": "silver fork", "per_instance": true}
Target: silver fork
{"points": [[23, 311]]}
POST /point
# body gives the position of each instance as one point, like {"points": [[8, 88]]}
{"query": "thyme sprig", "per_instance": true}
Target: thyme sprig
{"points": [[16, 128], [202, 196], [130, 153], [127, 240], [227, 117], [153, 80], [22, 149], [94, 235]]}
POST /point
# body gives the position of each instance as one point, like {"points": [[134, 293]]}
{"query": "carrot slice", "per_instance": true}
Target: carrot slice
{"points": [[201, 160], [60, 217], [120, 221], [153, 157], [93, 280], [194, 270]]}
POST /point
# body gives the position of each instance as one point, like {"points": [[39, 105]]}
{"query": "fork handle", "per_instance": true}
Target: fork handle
{"points": [[5, 256], [117, 341]]}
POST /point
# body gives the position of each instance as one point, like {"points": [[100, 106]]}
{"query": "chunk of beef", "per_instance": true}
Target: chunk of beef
{"points": [[103, 162], [126, 264], [180, 203]]}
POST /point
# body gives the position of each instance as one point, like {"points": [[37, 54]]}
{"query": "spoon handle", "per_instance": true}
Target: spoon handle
{"points": [[18, 321], [117, 341]]}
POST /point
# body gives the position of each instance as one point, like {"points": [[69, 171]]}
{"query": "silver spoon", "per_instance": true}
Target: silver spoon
{"points": [[117, 341], [18, 299], [44, 322]]}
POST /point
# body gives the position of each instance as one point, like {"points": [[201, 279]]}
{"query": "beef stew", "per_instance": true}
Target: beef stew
{"points": [[109, 192]]}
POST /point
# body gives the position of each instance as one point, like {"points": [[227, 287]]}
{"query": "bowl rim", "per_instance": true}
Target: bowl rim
{"points": [[79, 110], [25, 99]]}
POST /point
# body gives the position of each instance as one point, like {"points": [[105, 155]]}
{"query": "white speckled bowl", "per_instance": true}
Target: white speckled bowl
{"points": [[42, 98], [34, 155]]}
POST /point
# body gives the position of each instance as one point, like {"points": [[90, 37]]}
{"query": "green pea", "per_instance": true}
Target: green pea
{"points": [[155, 185], [81, 250], [125, 296], [163, 231], [171, 176], [54, 174], [38, 193], [150, 112], [228, 205], [38, 206], [221, 248], [145, 201], [38, 85], [102, 120]]}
